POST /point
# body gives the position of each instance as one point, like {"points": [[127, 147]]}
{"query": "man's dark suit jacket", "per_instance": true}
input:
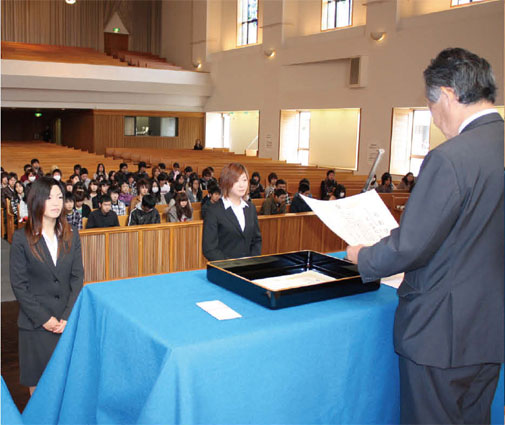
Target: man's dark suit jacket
{"points": [[222, 236], [41, 288], [450, 244]]}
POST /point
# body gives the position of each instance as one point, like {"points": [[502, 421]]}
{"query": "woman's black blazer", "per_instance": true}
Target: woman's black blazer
{"points": [[41, 288], [222, 236]]}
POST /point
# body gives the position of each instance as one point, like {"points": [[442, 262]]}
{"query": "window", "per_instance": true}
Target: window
{"points": [[460, 2], [410, 140], [151, 126], [295, 137], [336, 14], [247, 32]]}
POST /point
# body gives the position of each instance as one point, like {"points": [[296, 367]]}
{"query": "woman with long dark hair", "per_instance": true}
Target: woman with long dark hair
{"points": [[181, 211], [46, 275]]}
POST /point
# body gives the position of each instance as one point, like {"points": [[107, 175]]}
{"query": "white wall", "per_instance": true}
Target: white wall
{"points": [[311, 71], [334, 138], [243, 130]]}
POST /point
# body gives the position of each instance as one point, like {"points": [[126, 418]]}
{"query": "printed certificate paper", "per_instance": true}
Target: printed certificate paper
{"points": [[359, 219], [297, 280]]}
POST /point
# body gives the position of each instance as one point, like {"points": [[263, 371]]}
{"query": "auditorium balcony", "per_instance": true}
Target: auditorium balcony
{"points": [[46, 76]]}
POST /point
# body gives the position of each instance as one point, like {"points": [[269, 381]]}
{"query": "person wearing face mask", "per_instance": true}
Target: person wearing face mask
{"points": [[56, 174], [155, 191], [230, 228], [164, 186]]}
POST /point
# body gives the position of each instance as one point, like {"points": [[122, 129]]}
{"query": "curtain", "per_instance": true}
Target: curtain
{"points": [[81, 24]]}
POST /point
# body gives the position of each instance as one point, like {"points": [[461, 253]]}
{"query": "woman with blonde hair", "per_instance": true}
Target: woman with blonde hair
{"points": [[230, 228]]}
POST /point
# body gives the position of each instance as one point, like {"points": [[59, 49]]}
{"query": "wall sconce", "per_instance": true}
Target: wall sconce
{"points": [[378, 36], [70, 1], [197, 65], [269, 53]]}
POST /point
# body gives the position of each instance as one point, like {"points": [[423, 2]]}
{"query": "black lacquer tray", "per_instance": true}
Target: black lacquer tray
{"points": [[238, 275]]}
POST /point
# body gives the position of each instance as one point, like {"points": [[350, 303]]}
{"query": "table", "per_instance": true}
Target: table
{"points": [[141, 351]]}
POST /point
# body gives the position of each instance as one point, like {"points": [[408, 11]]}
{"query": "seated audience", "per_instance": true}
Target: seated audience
{"points": [[130, 178], [84, 177], [72, 215], [155, 174], [100, 172], [257, 178], [117, 205], [298, 204], [163, 167], [18, 203], [24, 177], [104, 216], [338, 193], [155, 191], [175, 172], [181, 210], [254, 189], [194, 192], [198, 145], [146, 214], [275, 204], [170, 196], [328, 185], [206, 179], [103, 189], [77, 169], [56, 174], [122, 174], [143, 187], [36, 168], [125, 196], [407, 182], [80, 205], [8, 192], [75, 178], [142, 171], [69, 186], [272, 179], [111, 177], [211, 198], [281, 184], [5, 179], [386, 185], [164, 185]]}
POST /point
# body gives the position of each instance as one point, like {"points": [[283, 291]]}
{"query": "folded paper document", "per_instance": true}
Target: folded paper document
{"points": [[359, 219]]}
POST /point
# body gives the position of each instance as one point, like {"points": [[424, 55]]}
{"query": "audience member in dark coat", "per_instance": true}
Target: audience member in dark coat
{"points": [[104, 216]]}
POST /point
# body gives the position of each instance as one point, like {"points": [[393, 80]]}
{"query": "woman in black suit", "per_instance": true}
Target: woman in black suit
{"points": [[230, 228], [46, 274]]}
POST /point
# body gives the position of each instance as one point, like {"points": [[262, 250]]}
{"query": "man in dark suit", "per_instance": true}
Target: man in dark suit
{"points": [[449, 323]]}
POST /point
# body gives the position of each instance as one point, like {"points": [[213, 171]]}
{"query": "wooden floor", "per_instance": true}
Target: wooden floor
{"points": [[10, 363]]}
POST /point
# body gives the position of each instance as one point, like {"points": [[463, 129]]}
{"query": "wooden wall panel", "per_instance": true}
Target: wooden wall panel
{"points": [[156, 251], [124, 254], [93, 257], [312, 235], [77, 130], [289, 236], [269, 227], [109, 131], [186, 247]]}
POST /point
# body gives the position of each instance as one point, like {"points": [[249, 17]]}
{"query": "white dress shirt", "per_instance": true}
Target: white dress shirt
{"points": [[52, 245], [474, 117], [238, 210]]}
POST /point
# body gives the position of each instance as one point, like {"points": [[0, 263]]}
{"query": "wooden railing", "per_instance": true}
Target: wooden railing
{"points": [[123, 252]]}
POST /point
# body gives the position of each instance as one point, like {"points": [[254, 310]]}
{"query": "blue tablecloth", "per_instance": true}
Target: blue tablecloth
{"points": [[141, 351], [10, 413]]}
